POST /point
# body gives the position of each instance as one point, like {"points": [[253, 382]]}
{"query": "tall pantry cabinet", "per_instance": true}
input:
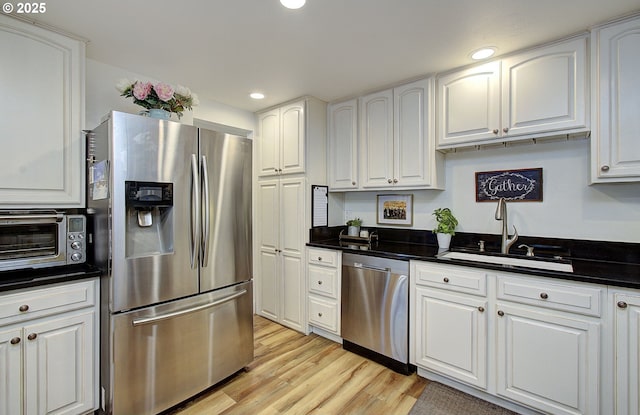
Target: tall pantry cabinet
{"points": [[290, 148]]}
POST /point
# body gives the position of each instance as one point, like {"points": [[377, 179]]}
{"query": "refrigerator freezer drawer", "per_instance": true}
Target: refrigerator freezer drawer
{"points": [[165, 354]]}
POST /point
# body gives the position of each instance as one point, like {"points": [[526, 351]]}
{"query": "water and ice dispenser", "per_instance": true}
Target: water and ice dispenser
{"points": [[149, 226]]}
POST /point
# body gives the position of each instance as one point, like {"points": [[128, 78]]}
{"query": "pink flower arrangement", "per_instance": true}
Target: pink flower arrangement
{"points": [[158, 96]]}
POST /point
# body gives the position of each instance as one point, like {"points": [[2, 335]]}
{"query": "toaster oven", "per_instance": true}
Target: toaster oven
{"points": [[41, 238]]}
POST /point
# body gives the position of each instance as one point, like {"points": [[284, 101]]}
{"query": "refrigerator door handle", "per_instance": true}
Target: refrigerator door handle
{"points": [[195, 212], [206, 214], [151, 320]]}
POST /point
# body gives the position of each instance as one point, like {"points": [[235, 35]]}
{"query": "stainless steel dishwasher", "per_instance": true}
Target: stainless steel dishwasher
{"points": [[375, 309]]}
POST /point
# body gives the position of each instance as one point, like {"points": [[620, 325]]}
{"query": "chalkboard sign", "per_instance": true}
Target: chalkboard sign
{"points": [[514, 185]]}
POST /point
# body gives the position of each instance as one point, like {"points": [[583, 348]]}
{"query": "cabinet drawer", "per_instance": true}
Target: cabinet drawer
{"points": [[458, 279], [323, 281], [558, 296], [39, 302], [324, 313], [323, 257]]}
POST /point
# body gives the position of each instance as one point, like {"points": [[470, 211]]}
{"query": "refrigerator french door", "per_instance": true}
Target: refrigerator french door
{"points": [[171, 211]]}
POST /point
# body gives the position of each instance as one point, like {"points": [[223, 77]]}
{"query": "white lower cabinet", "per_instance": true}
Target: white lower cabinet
{"points": [[452, 338], [49, 350], [547, 361], [530, 341], [324, 268], [626, 305]]}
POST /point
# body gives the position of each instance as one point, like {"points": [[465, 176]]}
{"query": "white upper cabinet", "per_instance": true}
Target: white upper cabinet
{"points": [[376, 139], [282, 140], [542, 92], [416, 162], [396, 139], [615, 61], [343, 145], [42, 158], [469, 105]]}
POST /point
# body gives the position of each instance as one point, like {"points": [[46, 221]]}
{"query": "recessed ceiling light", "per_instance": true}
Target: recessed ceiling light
{"points": [[293, 4], [483, 53], [256, 95]]}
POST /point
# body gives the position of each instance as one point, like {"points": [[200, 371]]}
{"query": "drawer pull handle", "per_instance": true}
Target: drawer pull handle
{"points": [[445, 279], [32, 336], [24, 308], [15, 340], [622, 304], [319, 282], [544, 296], [481, 309], [500, 313]]}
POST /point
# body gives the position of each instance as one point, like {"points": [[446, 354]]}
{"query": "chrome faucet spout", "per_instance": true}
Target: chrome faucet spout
{"points": [[501, 214]]}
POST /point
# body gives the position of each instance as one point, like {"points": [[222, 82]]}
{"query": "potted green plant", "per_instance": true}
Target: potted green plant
{"points": [[446, 226], [354, 226]]}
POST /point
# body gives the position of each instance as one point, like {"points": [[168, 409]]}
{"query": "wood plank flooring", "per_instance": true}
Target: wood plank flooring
{"points": [[296, 374]]}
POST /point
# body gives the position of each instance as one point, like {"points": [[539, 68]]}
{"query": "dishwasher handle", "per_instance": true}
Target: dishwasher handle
{"points": [[371, 267]]}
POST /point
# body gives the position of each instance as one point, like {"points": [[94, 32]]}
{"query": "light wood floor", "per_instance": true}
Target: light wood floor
{"points": [[297, 374]]}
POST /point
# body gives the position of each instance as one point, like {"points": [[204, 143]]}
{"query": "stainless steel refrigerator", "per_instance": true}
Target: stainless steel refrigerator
{"points": [[170, 208]]}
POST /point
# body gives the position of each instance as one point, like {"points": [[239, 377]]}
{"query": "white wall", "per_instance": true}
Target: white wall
{"points": [[570, 209], [102, 97]]}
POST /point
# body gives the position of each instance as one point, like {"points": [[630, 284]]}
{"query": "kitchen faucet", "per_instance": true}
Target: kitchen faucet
{"points": [[501, 214]]}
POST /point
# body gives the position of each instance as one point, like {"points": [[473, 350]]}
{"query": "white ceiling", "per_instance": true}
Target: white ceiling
{"points": [[225, 49]]}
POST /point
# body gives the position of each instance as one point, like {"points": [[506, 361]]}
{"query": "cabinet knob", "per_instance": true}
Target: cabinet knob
{"points": [[544, 296], [24, 308], [15, 340], [319, 314], [319, 282], [395, 180], [500, 313], [32, 336], [505, 130], [604, 168], [445, 279], [496, 131], [481, 309], [353, 183], [319, 258], [622, 304], [389, 181]]}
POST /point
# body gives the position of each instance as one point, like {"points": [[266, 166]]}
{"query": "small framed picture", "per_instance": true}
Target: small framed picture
{"points": [[395, 210]]}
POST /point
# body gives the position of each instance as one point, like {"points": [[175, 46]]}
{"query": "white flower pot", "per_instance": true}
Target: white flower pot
{"points": [[444, 240], [353, 231]]}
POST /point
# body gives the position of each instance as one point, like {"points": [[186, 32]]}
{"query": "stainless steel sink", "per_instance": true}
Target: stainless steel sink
{"points": [[528, 262]]}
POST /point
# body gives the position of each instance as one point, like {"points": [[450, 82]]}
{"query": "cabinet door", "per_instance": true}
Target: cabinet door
{"points": [[376, 139], [292, 231], [11, 342], [269, 143], [59, 365], [42, 161], [343, 145], [545, 89], [268, 233], [627, 354], [451, 335], [469, 105], [548, 361], [413, 145], [615, 148], [292, 131]]}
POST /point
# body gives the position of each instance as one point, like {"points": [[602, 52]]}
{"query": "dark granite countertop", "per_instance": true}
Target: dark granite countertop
{"points": [[608, 263], [34, 277]]}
